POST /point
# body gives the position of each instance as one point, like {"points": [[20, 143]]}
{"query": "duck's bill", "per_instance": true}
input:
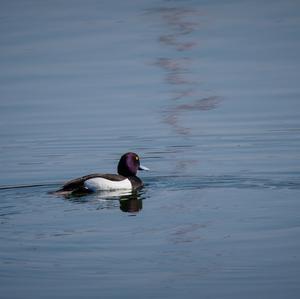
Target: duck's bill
{"points": [[141, 167]]}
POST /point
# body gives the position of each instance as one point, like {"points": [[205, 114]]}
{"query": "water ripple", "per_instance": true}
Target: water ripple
{"points": [[223, 181]]}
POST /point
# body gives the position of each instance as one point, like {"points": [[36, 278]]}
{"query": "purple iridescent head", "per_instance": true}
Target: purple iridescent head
{"points": [[129, 164]]}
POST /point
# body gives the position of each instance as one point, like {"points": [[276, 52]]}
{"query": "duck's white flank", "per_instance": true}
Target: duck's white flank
{"points": [[98, 184]]}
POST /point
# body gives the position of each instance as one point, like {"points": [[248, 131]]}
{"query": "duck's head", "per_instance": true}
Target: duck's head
{"points": [[129, 164]]}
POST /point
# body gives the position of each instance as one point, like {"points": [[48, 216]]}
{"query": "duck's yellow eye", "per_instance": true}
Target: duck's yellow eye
{"points": [[136, 157]]}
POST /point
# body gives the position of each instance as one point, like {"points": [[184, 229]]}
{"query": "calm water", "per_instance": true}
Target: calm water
{"points": [[207, 92]]}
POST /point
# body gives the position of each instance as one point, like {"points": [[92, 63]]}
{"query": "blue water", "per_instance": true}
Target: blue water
{"points": [[206, 92]]}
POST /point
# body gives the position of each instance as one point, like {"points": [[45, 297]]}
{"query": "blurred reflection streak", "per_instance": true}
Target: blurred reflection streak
{"points": [[169, 39], [175, 18], [172, 120], [172, 114], [180, 23], [200, 104], [186, 46], [175, 69], [176, 79], [182, 94], [173, 65]]}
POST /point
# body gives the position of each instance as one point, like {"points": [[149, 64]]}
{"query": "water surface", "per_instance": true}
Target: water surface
{"points": [[206, 92]]}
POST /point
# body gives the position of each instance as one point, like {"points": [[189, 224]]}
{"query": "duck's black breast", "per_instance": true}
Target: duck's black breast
{"points": [[78, 183], [136, 182]]}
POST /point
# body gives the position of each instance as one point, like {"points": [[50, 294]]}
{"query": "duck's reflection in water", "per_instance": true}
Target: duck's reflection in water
{"points": [[132, 203], [128, 201]]}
